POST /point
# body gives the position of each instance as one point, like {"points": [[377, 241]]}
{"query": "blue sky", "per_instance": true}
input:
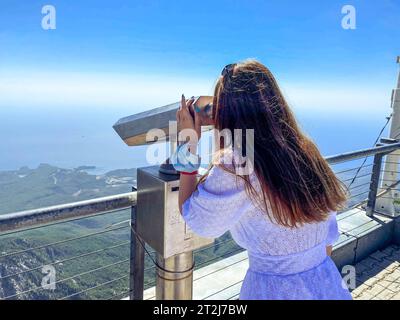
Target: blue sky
{"points": [[140, 54]]}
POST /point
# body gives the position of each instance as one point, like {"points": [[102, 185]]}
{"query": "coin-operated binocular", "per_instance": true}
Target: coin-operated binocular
{"points": [[133, 129], [158, 220]]}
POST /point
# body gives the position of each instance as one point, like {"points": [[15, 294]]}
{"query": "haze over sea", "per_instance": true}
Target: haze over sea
{"points": [[70, 139]]}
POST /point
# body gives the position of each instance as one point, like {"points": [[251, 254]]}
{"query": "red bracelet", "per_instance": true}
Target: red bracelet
{"points": [[190, 173]]}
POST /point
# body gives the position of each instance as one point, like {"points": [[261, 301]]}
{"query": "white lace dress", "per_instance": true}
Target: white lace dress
{"points": [[284, 263]]}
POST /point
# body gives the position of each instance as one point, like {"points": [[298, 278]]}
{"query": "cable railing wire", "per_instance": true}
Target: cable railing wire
{"points": [[200, 250], [222, 290], [149, 284], [376, 141], [224, 267], [60, 242], [94, 287], [120, 295], [352, 179], [213, 245], [353, 169], [359, 186], [228, 254], [111, 211], [357, 195], [68, 278], [65, 260]]}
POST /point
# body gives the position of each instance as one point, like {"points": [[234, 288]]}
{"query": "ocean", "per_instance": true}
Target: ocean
{"points": [[73, 138]]}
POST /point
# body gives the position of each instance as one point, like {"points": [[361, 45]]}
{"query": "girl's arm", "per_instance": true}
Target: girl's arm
{"points": [[333, 233], [187, 184], [216, 205], [186, 121], [187, 187]]}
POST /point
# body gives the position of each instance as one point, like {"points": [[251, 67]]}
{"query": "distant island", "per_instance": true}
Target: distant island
{"points": [[83, 168]]}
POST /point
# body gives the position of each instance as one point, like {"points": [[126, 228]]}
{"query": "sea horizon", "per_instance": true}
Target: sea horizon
{"points": [[68, 139]]}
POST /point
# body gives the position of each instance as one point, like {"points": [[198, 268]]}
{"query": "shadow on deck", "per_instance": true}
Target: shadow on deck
{"points": [[378, 276]]}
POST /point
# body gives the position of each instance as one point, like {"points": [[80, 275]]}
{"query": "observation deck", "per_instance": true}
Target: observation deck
{"points": [[111, 267]]}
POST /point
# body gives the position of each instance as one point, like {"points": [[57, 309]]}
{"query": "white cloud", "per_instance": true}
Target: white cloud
{"points": [[74, 90], [141, 92], [331, 98]]}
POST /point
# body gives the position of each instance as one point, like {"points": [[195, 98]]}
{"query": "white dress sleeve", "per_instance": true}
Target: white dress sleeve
{"points": [[217, 204], [333, 230]]}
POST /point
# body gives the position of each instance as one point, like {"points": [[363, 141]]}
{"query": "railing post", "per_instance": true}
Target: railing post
{"points": [[136, 266], [373, 189], [390, 174]]}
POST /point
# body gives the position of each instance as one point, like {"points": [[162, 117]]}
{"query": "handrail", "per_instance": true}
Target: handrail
{"points": [[87, 208], [343, 157], [66, 212]]}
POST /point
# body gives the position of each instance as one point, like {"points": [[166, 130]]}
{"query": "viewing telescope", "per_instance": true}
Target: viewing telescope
{"points": [[133, 129], [158, 221]]}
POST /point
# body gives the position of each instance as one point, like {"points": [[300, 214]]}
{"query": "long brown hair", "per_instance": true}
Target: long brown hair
{"points": [[297, 183]]}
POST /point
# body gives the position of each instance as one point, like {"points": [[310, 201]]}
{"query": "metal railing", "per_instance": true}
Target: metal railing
{"points": [[110, 262], [66, 212], [368, 181]]}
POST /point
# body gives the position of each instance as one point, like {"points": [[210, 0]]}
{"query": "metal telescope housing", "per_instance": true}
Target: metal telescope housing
{"points": [[133, 129], [158, 220]]}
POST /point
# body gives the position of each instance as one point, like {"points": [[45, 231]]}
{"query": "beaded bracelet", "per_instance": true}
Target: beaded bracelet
{"points": [[189, 173]]}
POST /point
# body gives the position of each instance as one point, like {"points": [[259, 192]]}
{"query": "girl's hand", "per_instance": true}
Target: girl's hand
{"points": [[185, 119]]}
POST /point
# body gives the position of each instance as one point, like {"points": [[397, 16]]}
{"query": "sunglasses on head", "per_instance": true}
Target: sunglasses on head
{"points": [[228, 70]]}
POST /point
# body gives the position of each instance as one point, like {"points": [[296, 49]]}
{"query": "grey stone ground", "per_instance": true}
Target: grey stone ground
{"points": [[378, 276]]}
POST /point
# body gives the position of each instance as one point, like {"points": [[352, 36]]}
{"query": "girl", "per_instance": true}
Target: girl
{"points": [[283, 211]]}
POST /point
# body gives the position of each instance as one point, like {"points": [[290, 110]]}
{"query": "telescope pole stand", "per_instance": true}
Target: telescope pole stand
{"points": [[174, 278]]}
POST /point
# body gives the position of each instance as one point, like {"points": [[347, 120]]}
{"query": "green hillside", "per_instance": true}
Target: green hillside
{"points": [[91, 255]]}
